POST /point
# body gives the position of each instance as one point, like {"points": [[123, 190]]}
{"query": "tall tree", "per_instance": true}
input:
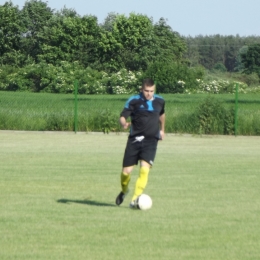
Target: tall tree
{"points": [[192, 54], [125, 42], [35, 17], [170, 46], [107, 25], [232, 46], [134, 34], [251, 59], [10, 34], [134, 42], [239, 66], [211, 49], [217, 49], [70, 37]]}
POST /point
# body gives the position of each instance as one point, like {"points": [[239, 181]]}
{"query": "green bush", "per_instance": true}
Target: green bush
{"points": [[169, 77], [213, 118], [41, 77], [249, 79], [44, 77], [13, 79], [220, 67], [174, 77], [109, 121], [92, 81]]}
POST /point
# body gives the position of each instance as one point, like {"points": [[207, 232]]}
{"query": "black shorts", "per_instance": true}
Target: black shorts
{"points": [[135, 151]]}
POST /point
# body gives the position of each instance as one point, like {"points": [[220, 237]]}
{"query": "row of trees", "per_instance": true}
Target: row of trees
{"points": [[226, 53], [38, 35]]}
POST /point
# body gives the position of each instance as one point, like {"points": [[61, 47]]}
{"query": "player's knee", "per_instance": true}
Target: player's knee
{"points": [[128, 170], [145, 164]]}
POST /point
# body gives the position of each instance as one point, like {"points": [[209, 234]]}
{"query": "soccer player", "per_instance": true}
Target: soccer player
{"points": [[147, 127]]}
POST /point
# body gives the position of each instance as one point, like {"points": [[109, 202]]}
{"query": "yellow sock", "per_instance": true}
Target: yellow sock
{"points": [[125, 179], [141, 182]]}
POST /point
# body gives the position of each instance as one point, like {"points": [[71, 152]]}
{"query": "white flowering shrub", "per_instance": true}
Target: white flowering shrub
{"points": [[124, 82], [57, 79], [94, 88], [253, 90], [217, 87], [44, 77]]}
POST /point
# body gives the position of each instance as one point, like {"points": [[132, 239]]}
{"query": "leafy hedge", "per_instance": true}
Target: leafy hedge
{"points": [[45, 77], [170, 77], [173, 77]]}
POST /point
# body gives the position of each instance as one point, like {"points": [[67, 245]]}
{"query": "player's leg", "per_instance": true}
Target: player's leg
{"points": [[130, 159], [124, 180], [147, 156], [142, 179]]}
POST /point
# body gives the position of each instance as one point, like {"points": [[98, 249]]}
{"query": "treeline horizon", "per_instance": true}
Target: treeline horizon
{"points": [[33, 34], [36, 34]]}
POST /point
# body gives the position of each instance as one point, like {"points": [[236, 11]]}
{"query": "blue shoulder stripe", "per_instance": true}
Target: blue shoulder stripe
{"points": [[130, 99], [158, 96]]}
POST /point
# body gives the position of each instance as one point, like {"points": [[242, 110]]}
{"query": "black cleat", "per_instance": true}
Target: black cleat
{"points": [[134, 204], [120, 198]]}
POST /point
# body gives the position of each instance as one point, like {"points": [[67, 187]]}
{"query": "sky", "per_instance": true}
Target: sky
{"points": [[187, 17]]}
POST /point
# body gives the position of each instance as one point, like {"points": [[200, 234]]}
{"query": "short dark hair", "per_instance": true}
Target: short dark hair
{"points": [[147, 82]]}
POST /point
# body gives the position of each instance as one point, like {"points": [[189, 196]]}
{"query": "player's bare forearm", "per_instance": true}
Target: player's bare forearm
{"points": [[124, 123], [162, 125]]}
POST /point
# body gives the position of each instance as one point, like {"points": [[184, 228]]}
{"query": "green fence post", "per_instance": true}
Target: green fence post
{"points": [[76, 106], [236, 110]]}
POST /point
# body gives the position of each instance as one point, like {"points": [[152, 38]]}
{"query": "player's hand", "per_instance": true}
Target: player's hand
{"points": [[161, 135], [126, 125]]}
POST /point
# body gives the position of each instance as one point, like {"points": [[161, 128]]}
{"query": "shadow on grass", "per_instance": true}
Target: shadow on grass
{"points": [[86, 202]]}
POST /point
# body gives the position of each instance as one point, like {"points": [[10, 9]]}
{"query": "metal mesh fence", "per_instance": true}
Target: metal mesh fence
{"points": [[59, 112], [100, 113]]}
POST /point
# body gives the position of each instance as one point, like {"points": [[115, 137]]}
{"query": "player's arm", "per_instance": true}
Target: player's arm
{"points": [[123, 122], [162, 125], [125, 114]]}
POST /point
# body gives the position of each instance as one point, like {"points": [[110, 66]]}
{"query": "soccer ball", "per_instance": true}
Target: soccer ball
{"points": [[144, 202]]}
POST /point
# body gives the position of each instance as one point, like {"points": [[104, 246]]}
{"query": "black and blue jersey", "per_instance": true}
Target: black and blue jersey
{"points": [[144, 115]]}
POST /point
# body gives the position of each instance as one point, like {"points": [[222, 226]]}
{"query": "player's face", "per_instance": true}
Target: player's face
{"points": [[148, 92]]}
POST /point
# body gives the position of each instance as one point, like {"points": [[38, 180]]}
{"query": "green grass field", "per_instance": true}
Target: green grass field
{"points": [[58, 191]]}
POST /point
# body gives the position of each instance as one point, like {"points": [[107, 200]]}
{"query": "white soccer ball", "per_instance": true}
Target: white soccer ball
{"points": [[144, 202]]}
